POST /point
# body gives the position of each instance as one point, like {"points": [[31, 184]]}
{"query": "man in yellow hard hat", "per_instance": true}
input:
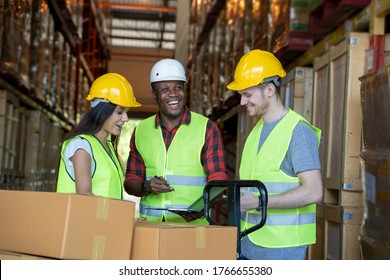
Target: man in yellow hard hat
{"points": [[173, 153], [282, 152], [89, 162]]}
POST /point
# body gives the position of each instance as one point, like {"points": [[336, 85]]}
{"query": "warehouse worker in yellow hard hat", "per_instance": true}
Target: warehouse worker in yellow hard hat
{"points": [[89, 161], [282, 152], [174, 152]]}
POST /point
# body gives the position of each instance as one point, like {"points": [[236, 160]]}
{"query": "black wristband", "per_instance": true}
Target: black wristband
{"points": [[145, 187]]}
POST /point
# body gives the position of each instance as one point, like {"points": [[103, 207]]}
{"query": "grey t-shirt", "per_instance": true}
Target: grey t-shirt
{"points": [[302, 154]]}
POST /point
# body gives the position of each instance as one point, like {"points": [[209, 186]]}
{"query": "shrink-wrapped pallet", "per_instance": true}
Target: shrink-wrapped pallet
{"points": [[375, 101], [375, 160], [374, 234]]}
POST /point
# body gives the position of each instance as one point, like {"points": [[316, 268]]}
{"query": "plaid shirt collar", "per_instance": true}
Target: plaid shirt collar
{"points": [[185, 118]]}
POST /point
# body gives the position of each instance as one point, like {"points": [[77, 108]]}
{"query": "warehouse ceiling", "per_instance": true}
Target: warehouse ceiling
{"points": [[142, 23]]}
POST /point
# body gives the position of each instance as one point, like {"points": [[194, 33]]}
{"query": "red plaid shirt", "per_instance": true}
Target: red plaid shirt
{"points": [[212, 156]]}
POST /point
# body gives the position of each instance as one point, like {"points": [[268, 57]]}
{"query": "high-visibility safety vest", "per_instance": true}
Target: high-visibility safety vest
{"points": [[284, 227], [108, 177], [180, 165]]}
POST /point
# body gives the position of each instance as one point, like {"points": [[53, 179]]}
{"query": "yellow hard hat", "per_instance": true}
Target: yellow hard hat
{"points": [[114, 88], [254, 68]]}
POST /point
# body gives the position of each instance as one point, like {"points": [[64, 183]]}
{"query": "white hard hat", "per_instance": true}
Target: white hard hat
{"points": [[167, 70]]}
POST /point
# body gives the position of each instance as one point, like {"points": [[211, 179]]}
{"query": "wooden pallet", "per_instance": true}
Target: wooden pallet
{"points": [[345, 118], [337, 111], [320, 99], [342, 197], [341, 231]]}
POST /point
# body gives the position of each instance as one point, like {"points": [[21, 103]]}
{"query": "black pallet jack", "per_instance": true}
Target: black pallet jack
{"points": [[232, 199]]}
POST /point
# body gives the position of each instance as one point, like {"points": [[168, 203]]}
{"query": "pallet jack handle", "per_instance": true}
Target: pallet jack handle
{"points": [[233, 201]]}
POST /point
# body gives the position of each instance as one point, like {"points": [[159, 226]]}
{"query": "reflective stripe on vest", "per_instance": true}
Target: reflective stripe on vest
{"points": [[184, 180], [284, 227], [107, 180], [282, 220], [180, 165]]}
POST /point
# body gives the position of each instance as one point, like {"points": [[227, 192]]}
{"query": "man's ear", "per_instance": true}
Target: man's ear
{"points": [[270, 89]]}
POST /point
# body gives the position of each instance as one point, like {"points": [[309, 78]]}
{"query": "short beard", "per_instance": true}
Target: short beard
{"points": [[261, 110]]}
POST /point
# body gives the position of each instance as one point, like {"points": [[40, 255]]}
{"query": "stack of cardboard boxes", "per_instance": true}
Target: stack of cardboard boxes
{"points": [[40, 225]]}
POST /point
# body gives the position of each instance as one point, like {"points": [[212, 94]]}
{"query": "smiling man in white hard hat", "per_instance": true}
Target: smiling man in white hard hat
{"points": [[173, 153], [282, 152]]}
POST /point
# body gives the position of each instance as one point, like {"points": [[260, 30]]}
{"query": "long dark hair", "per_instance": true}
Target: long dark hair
{"points": [[93, 120]]}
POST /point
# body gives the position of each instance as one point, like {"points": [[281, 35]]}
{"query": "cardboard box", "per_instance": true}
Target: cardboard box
{"points": [[7, 255], [66, 226], [177, 241]]}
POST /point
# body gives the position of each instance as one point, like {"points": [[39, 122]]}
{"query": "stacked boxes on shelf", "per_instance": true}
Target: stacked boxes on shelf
{"points": [[34, 56], [15, 43], [214, 55], [29, 146], [41, 62], [41, 67], [43, 45], [43, 146], [75, 8], [260, 38], [288, 29], [326, 15], [297, 91], [9, 120], [94, 47]]}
